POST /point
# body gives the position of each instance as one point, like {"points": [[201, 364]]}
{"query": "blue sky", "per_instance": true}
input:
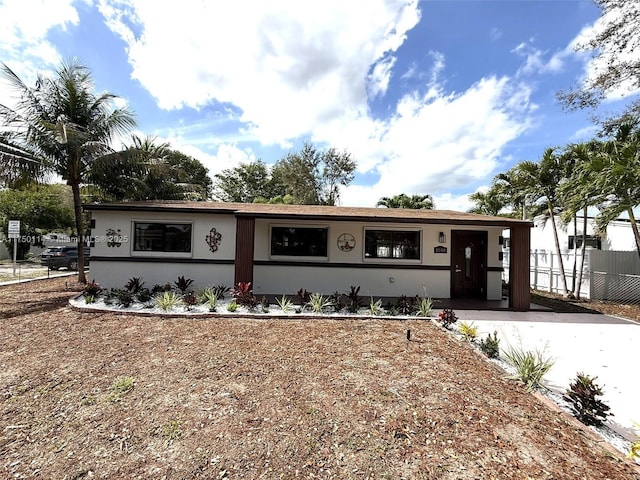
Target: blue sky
{"points": [[429, 97]]}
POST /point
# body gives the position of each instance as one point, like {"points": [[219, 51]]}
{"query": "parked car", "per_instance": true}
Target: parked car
{"points": [[59, 257]]}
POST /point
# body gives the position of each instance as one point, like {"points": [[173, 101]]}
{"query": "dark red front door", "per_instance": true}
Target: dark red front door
{"points": [[468, 264]]}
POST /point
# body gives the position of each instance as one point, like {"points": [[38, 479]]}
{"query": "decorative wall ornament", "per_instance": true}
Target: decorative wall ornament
{"points": [[114, 237], [213, 239], [346, 242]]}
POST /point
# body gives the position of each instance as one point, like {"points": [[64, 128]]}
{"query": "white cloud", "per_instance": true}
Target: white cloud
{"points": [[536, 61], [23, 36], [270, 59], [380, 76], [436, 140]]}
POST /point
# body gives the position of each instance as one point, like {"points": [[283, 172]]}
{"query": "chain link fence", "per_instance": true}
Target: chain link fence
{"points": [[616, 287]]}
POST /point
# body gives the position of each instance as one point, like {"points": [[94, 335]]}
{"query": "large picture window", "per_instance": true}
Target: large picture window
{"points": [[398, 244], [299, 241], [162, 237]]}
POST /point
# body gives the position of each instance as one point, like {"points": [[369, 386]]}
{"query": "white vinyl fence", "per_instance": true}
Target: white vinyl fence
{"points": [[607, 275]]}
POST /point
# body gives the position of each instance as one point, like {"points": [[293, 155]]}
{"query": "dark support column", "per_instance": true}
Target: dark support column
{"points": [[519, 270], [245, 234]]}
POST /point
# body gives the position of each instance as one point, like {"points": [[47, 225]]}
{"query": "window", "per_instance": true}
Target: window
{"points": [[299, 241], [392, 244], [162, 237], [593, 241]]}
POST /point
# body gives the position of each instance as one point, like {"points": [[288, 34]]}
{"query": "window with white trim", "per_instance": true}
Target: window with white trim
{"points": [[299, 241], [393, 244], [162, 237]]}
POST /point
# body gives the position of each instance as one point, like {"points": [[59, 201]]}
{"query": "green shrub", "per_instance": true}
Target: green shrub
{"points": [[318, 302], [285, 304], [582, 395], [123, 297], [375, 308], [209, 297], [168, 301], [530, 366], [232, 306], [469, 331], [490, 346], [634, 450], [424, 307]]}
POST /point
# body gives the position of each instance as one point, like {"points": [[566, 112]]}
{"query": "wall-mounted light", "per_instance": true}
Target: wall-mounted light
{"points": [[442, 238]]}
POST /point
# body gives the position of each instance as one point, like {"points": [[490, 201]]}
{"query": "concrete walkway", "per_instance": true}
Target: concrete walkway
{"points": [[594, 344]]}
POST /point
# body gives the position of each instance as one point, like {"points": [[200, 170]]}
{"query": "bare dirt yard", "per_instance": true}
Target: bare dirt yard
{"points": [[104, 395]]}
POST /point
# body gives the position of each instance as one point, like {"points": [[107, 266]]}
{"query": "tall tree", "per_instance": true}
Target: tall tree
{"points": [[615, 43], [415, 202], [491, 202], [246, 183], [540, 182], [59, 126], [314, 177], [615, 179], [150, 170], [577, 194], [40, 209]]}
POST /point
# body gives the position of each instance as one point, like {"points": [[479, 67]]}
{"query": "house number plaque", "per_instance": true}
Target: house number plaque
{"points": [[346, 242]]}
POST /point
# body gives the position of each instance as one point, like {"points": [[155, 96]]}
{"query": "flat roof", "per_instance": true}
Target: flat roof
{"points": [[313, 212]]}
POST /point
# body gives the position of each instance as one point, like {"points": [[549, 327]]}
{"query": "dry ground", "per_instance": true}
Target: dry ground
{"points": [[245, 399]]}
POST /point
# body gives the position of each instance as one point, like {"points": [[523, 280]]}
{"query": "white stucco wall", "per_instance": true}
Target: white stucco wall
{"points": [[376, 277]]}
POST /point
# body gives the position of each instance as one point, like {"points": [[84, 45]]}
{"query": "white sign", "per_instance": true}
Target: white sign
{"points": [[14, 228]]}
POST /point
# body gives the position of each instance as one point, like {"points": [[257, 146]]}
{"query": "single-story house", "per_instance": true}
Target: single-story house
{"points": [[281, 249]]}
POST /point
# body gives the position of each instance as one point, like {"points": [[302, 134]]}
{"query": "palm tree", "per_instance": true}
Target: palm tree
{"points": [[490, 202], [576, 194], [615, 174], [60, 127], [540, 182], [416, 202]]}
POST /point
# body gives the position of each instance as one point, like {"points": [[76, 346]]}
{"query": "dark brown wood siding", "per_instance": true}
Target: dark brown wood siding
{"points": [[245, 234], [519, 269]]}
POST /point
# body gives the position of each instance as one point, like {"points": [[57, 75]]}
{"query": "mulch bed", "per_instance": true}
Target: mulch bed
{"points": [[244, 398]]}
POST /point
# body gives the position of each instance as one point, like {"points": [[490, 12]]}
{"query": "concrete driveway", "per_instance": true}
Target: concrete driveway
{"points": [[594, 344]]}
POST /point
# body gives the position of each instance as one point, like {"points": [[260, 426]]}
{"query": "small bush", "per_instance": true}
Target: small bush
{"points": [[336, 301], [232, 306], [243, 295], [171, 431], [304, 296], [134, 285], [530, 366], [157, 288], [167, 301], [354, 299], [220, 291], [144, 295], [318, 302], [123, 297], [582, 395], [285, 304], [469, 331], [89, 299], [490, 346], [406, 305], [375, 307], [190, 299], [447, 317], [264, 304], [92, 288], [209, 297], [183, 284], [424, 307]]}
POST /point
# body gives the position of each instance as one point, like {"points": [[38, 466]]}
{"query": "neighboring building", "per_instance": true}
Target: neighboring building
{"points": [[618, 236], [284, 248]]}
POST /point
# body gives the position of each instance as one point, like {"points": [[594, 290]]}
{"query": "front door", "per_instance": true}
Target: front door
{"points": [[468, 264]]}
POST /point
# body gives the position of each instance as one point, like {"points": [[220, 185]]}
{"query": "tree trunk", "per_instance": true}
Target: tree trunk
{"points": [[583, 250], [575, 253], [634, 227], [77, 209], [563, 276]]}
